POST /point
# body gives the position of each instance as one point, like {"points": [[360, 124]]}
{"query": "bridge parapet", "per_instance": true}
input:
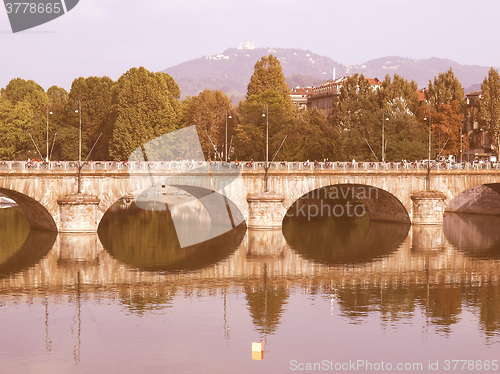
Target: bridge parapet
{"points": [[72, 166]]}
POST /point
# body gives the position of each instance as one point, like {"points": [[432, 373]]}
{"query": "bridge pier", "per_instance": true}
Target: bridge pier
{"points": [[265, 210], [79, 213], [428, 207]]}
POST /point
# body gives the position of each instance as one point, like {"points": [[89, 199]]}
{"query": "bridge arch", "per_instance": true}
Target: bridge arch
{"points": [[199, 186], [39, 215], [479, 199], [344, 199], [186, 202]]}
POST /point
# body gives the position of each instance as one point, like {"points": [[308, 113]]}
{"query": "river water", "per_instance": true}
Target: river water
{"points": [[329, 295]]}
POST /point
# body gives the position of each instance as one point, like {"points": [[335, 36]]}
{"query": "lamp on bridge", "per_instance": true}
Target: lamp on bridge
{"points": [[384, 118], [461, 144], [428, 184], [79, 111], [48, 112], [266, 114], [225, 150]]}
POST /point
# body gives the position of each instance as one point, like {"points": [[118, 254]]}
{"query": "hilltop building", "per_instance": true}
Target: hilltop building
{"points": [[247, 44]]}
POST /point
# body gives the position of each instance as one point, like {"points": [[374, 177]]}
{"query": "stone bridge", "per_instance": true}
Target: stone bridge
{"points": [[48, 194]]}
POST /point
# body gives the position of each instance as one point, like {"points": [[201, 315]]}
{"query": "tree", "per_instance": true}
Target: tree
{"points": [[445, 89], [446, 125], [314, 137], [489, 107], [14, 122], [57, 95], [208, 112], [268, 75], [22, 90], [399, 89], [147, 106], [34, 105], [57, 101], [267, 103], [446, 99], [256, 113], [356, 118], [94, 95], [406, 138]]}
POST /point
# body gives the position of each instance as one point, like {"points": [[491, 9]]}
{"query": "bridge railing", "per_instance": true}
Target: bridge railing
{"points": [[245, 165]]}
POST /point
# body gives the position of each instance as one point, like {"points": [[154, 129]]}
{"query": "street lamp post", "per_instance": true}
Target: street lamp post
{"points": [[48, 112], [225, 150], [461, 144], [267, 145], [79, 111], [428, 184], [383, 136]]}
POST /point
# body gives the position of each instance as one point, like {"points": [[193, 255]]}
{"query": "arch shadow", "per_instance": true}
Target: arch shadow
{"points": [[481, 199], [379, 204], [38, 216]]}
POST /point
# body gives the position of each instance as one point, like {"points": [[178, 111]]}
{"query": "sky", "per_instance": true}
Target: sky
{"points": [[108, 37]]}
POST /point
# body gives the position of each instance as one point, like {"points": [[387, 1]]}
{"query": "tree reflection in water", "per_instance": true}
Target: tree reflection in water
{"points": [[266, 305]]}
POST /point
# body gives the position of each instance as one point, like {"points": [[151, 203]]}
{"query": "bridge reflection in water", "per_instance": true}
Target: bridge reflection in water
{"points": [[358, 259], [393, 271]]}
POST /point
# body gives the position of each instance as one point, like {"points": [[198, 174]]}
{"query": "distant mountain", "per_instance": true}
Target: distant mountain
{"points": [[230, 71]]}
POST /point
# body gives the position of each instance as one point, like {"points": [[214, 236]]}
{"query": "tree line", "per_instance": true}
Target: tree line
{"points": [[119, 116]]}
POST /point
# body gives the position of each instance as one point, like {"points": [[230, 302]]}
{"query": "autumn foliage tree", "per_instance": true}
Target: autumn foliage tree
{"points": [[209, 111], [446, 124], [446, 99]]}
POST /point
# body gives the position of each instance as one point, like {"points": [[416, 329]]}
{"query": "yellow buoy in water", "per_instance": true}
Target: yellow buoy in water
{"points": [[257, 351]]}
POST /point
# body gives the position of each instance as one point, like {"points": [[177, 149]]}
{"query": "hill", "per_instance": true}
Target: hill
{"points": [[230, 71]]}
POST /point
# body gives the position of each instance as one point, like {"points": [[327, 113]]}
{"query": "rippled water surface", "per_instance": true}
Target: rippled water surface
{"points": [[326, 292]]}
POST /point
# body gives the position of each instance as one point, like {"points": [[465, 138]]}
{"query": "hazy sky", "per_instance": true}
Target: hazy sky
{"points": [[107, 37]]}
